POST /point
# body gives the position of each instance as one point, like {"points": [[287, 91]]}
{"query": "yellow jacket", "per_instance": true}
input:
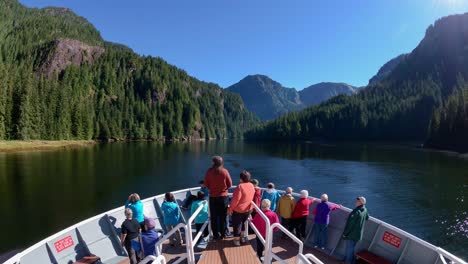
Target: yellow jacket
{"points": [[286, 206]]}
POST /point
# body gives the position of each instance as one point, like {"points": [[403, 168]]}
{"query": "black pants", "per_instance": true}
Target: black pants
{"points": [[300, 226], [218, 212], [287, 222], [238, 221], [131, 252], [199, 227], [189, 200], [260, 248]]}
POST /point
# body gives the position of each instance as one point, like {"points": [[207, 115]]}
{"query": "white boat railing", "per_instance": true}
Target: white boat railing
{"points": [[168, 235], [308, 259], [188, 235], [154, 260], [265, 240]]}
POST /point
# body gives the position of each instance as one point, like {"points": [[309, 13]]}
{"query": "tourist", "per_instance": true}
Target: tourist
{"points": [[241, 206], [260, 224], [134, 203], [285, 209], [300, 214], [202, 216], [218, 181], [171, 218], [322, 219], [271, 194], [130, 230], [149, 238], [257, 196], [189, 198], [354, 228]]}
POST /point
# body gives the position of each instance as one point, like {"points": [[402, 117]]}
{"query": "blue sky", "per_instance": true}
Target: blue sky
{"points": [[297, 43]]}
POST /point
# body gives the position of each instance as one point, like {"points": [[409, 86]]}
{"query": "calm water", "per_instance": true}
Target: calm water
{"points": [[419, 191]]}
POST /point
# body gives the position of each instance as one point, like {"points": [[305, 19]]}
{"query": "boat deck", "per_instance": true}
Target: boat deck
{"points": [[224, 251]]}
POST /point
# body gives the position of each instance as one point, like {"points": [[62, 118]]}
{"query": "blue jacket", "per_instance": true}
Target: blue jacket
{"points": [[203, 215], [149, 239], [272, 195], [137, 210], [206, 191], [171, 213]]}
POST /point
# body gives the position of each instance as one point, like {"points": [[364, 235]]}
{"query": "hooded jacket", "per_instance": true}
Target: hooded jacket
{"points": [[273, 195]]}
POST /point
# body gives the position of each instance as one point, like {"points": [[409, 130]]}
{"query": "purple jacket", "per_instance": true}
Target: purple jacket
{"points": [[322, 212]]}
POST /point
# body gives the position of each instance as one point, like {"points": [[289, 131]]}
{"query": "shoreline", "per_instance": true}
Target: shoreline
{"points": [[15, 146]]}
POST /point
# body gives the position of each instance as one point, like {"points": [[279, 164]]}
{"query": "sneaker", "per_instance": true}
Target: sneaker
{"points": [[236, 242], [243, 239], [229, 235]]}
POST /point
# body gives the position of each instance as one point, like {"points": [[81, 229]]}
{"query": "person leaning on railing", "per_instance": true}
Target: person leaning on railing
{"points": [[260, 224], [300, 214], [218, 181], [241, 205]]}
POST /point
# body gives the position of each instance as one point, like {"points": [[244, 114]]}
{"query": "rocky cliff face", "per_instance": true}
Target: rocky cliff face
{"points": [[386, 69], [66, 52], [266, 97], [320, 92]]}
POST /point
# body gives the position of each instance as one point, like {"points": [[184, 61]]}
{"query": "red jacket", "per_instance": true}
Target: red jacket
{"points": [[302, 208], [260, 223], [242, 198], [257, 197], [218, 182]]}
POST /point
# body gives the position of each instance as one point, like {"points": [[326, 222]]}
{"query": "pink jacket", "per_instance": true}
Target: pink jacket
{"points": [[260, 224]]}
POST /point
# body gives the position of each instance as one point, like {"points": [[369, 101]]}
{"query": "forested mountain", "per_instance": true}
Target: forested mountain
{"points": [[265, 97], [60, 80], [320, 92], [414, 102], [269, 99]]}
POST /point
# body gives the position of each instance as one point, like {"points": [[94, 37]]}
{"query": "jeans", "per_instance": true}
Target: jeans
{"points": [[320, 235], [350, 245], [218, 212]]}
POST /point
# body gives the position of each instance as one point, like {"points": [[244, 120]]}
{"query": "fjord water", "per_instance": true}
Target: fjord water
{"points": [[420, 191]]}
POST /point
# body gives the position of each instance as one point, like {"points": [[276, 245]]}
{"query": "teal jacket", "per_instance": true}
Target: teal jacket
{"points": [[354, 229], [203, 215], [171, 213], [137, 210]]}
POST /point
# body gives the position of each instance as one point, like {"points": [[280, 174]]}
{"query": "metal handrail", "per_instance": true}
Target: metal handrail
{"points": [[286, 232], [307, 258], [152, 259], [267, 235], [169, 234], [188, 235]]}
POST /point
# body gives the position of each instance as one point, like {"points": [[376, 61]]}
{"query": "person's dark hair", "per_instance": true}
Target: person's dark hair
{"points": [[170, 197], [217, 162], [245, 176], [271, 185], [201, 182], [200, 195]]}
